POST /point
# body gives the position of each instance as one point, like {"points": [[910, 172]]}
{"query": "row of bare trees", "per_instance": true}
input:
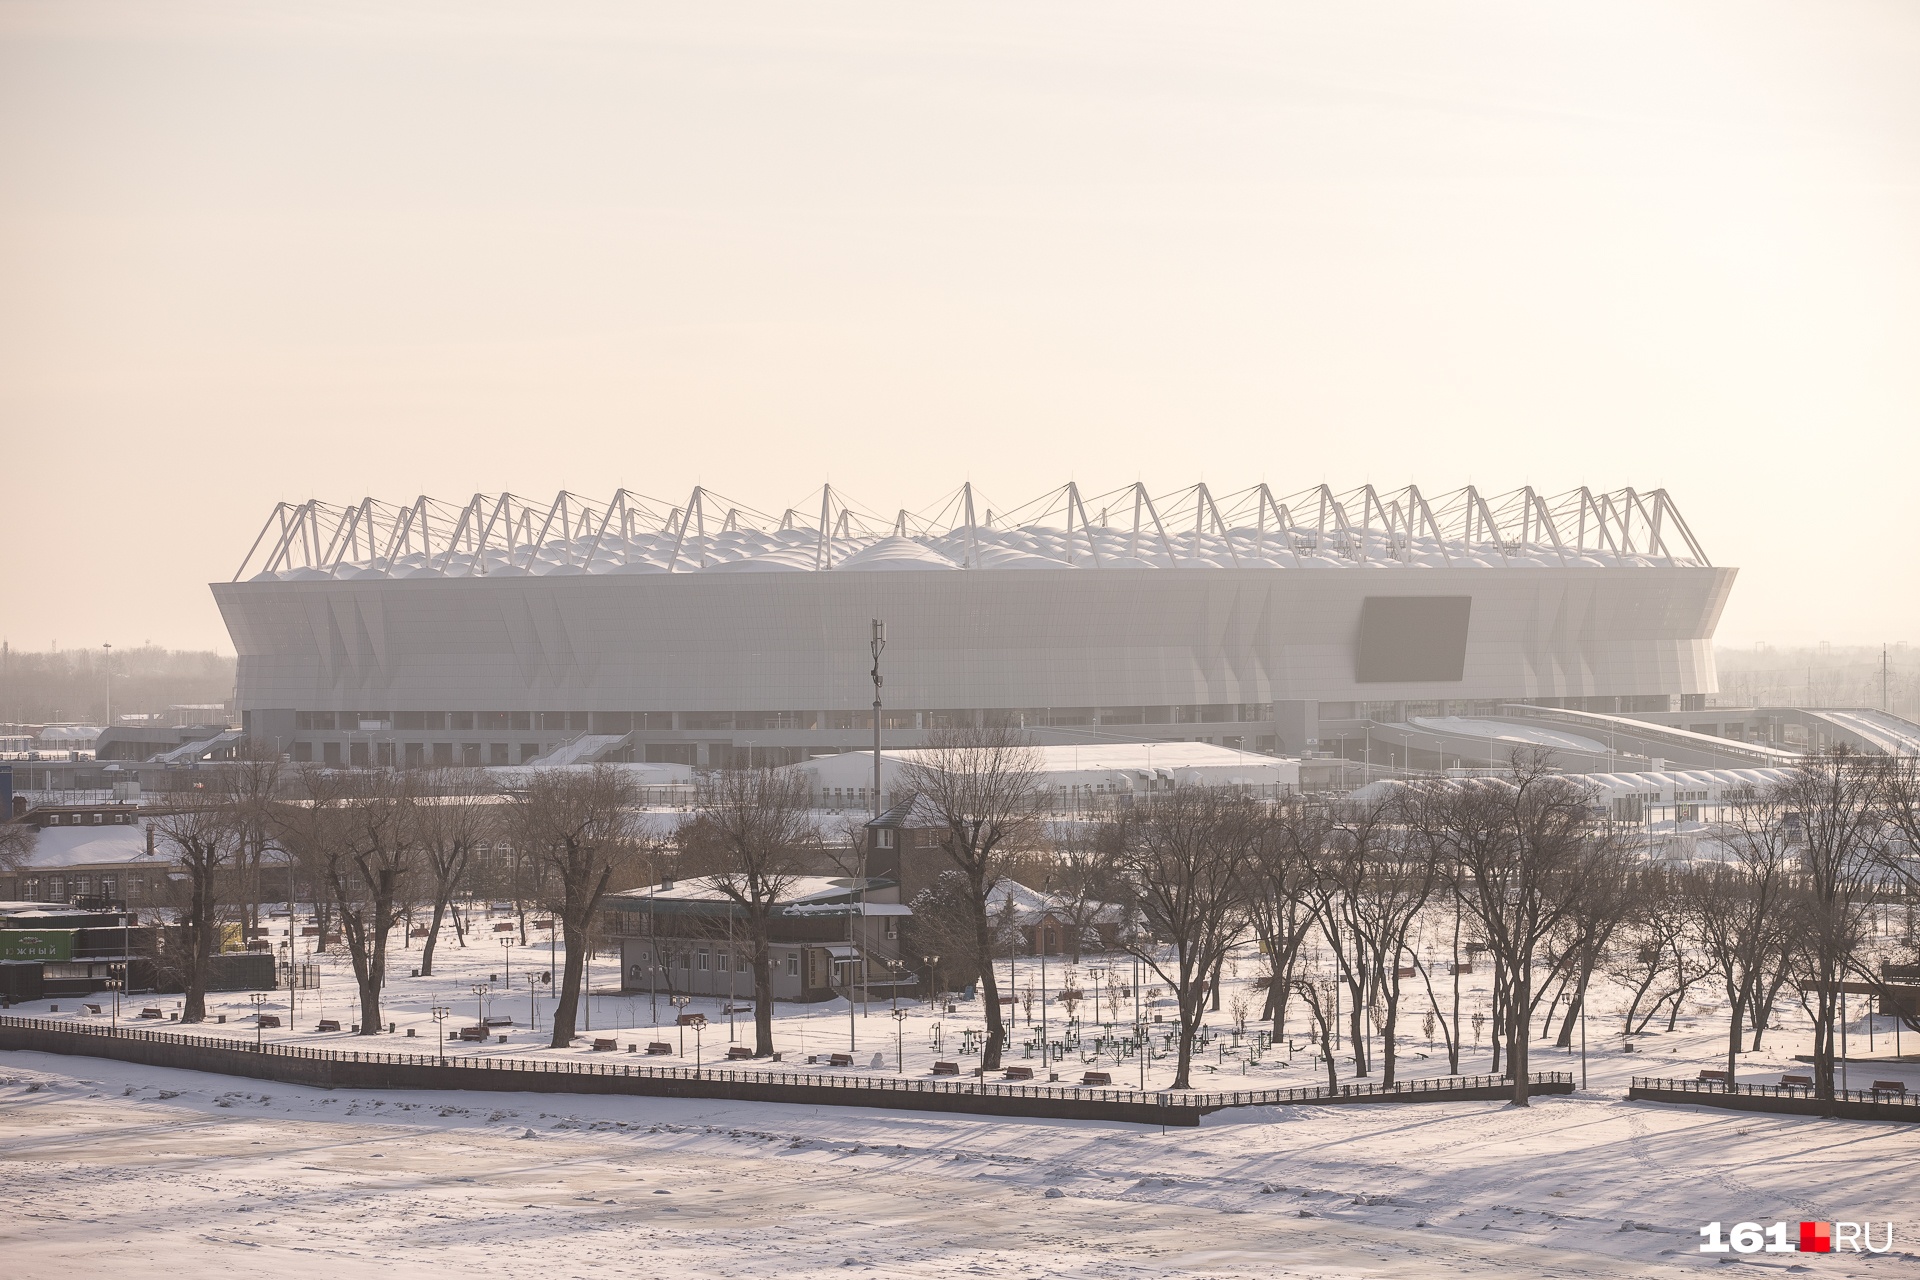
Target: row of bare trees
{"points": [[1525, 868], [371, 846]]}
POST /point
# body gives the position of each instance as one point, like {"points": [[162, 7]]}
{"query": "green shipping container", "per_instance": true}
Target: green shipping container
{"points": [[36, 944]]}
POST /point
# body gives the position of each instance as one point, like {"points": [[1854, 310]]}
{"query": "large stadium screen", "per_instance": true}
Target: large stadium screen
{"points": [[1412, 638]]}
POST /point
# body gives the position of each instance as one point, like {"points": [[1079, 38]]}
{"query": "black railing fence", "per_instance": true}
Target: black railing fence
{"points": [[1431, 1089], [1904, 1104]]}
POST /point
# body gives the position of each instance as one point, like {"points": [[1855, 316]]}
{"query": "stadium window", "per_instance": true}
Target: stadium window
{"points": [[724, 962], [703, 961], [793, 965]]}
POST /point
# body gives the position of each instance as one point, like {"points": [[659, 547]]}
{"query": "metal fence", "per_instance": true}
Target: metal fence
{"points": [[1425, 1090], [1895, 1105]]}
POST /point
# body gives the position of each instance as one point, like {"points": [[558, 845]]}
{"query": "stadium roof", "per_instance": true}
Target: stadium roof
{"points": [[506, 535]]}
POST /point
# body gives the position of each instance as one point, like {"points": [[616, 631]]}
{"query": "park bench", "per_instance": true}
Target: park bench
{"points": [[151, 1013], [499, 1020], [1102, 1079], [1791, 1081], [1890, 1086], [269, 1019], [657, 1047], [840, 1060], [93, 1008], [1019, 1073], [692, 1020], [605, 1044], [1711, 1076], [1406, 971], [946, 1068], [738, 1051], [505, 926], [1464, 967], [736, 1008], [473, 1035], [328, 1024]]}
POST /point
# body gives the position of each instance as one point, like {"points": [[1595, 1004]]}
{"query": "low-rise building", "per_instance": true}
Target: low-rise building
{"points": [[829, 934]]}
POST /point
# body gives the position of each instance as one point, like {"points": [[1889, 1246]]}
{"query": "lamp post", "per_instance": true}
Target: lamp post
{"points": [[933, 978], [259, 999], [506, 954], [900, 1040], [679, 1004], [480, 990], [440, 1015], [1046, 893]]}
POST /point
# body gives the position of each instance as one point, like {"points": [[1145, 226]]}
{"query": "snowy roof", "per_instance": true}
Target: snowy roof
{"points": [[88, 845], [496, 535], [805, 895], [1110, 764], [1716, 783]]}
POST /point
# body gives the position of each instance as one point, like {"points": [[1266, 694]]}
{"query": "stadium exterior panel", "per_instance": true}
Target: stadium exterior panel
{"points": [[423, 633]]}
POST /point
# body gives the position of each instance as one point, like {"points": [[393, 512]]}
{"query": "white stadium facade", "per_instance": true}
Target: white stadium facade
{"points": [[703, 632]]}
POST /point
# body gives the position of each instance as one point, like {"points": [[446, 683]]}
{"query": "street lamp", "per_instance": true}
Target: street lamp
{"points": [[1046, 893], [440, 1016], [900, 1040], [933, 978], [259, 999], [679, 1004], [506, 954], [480, 990]]}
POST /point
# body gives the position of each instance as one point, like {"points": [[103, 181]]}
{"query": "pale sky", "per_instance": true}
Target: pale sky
{"points": [[264, 251]]}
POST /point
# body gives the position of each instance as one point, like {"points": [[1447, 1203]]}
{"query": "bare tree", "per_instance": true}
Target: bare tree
{"points": [[251, 785], [579, 826], [1529, 846], [1739, 909], [1320, 992], [203, 840], [752, 835], [1586, 932], [16, 844], [1183, 863], [982, 785], [369, 861], [1370, 884], [1834, 803], [457, 815], [1279, 895]]}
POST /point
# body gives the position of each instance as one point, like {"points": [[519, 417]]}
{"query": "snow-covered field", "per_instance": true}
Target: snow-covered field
{"points": [[120, 1170]]}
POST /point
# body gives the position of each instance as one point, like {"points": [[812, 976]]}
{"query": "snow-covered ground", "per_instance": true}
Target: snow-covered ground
{"points": [[121, 1169]]}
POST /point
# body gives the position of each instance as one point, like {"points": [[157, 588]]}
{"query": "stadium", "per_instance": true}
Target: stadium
{"points": [[1366, 623]]}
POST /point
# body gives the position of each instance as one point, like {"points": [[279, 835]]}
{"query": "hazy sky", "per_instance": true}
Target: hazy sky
{"points": [[270, 250]]}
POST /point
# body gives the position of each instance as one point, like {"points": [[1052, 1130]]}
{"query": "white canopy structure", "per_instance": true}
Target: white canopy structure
{"points": [[504, 534]]}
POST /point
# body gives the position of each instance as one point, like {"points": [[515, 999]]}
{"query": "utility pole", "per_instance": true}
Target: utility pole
{"points": [[878, 646]]}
